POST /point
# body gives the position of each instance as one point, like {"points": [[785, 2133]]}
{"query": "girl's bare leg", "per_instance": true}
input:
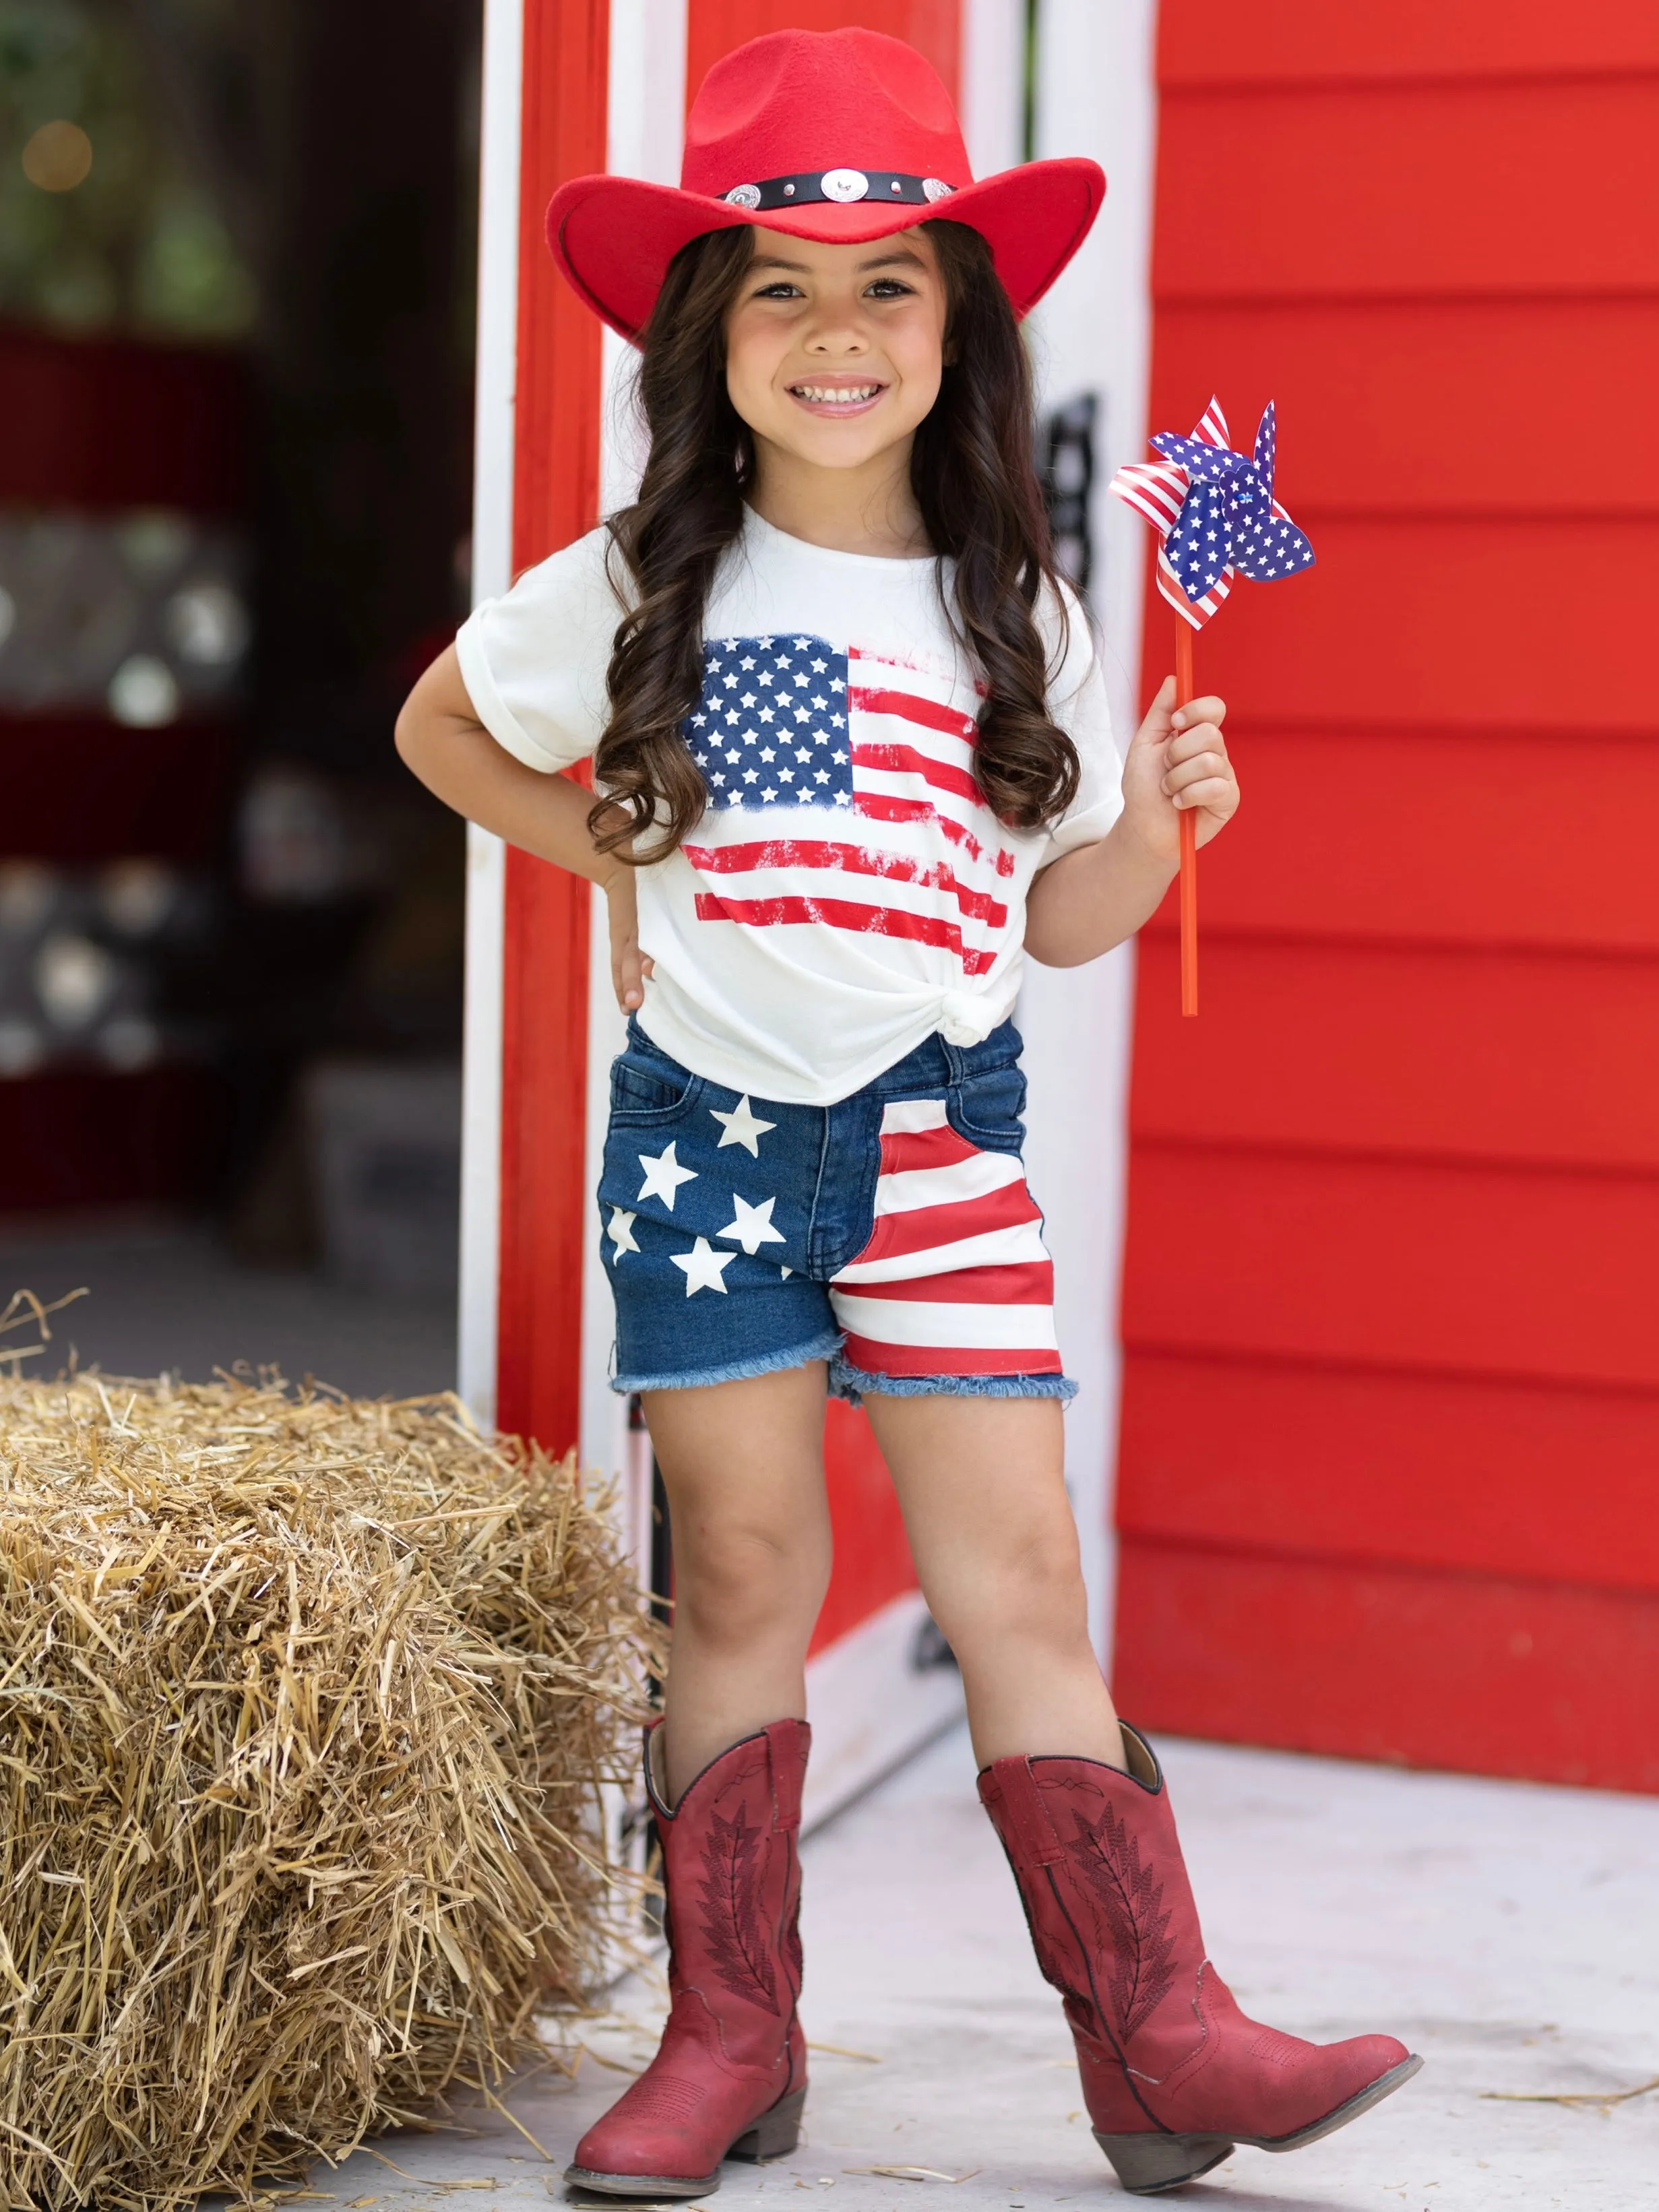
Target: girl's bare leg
{"points": [[743, 1463], [980, 1484]]}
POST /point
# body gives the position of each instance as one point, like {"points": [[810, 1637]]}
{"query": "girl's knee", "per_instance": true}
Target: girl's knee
{"points": [[1032, 1592], [735, 1587]]}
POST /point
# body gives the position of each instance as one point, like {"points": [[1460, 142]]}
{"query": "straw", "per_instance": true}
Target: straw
{"points": [[306, 1706]]}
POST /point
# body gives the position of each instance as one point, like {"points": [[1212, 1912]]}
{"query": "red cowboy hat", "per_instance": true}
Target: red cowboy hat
{"points": [[840, 135]]}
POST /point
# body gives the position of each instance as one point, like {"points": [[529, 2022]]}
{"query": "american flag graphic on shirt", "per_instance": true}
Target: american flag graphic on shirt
{"points": [[955, 1278], [880, 753]]}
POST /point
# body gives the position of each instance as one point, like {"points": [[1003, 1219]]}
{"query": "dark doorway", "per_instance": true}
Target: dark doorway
{"points": [[236, 283]]}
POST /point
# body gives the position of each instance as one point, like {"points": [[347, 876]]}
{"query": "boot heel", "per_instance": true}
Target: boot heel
{"points": [[1147, 2163], [776, 2132]]}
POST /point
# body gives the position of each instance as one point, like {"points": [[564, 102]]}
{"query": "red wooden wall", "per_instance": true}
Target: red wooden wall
{"points": [[714, 26], [1391, 1300], [556, 494]]}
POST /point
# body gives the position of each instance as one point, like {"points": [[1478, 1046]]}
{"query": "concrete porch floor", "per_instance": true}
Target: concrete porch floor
{"points": [[1509, 1933]]}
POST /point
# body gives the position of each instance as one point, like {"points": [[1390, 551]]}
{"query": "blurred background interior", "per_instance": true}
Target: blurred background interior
{"points": [[236, 302]]}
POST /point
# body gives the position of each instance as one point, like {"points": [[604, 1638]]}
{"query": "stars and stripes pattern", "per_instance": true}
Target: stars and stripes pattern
{"points": [[1158, 490], [1214, 516], [866, 766], [954, 1279]]}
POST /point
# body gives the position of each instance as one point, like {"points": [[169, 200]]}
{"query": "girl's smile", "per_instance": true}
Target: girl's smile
{"points": [[837, 395]]}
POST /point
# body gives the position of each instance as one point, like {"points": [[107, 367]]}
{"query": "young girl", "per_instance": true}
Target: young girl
{"points": [[852, 754]]}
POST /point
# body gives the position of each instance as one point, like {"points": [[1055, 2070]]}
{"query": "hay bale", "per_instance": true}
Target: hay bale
{"points": [[304, 1706]]}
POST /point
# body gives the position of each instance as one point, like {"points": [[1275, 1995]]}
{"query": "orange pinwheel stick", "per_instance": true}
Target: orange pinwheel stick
{"points": [[1216, 517], [1188, 820]]}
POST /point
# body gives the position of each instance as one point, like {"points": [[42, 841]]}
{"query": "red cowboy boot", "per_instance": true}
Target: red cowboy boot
{"points": [[1173, 2075], [729, 2078]]}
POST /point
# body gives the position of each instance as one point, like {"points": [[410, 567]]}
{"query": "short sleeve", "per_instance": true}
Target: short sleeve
{"points": [[1078, 701], [534, 660]]}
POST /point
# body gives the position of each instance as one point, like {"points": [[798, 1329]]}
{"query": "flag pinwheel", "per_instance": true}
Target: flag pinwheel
{"points": [[1216, 517]]}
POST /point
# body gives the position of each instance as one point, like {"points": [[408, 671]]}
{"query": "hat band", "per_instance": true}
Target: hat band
{"points": [[841, 186]]}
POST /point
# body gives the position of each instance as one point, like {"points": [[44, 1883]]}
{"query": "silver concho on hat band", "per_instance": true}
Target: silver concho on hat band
{"points": [[843, 184], [936, 189], [744, 195]]}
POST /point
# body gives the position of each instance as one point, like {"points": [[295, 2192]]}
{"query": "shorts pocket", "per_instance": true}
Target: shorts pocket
{"points": [[989, 1108], [647, 1088]]}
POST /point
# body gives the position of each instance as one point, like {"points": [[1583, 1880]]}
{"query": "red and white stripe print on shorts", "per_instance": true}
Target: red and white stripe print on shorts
{"points": [[955, 1278]]}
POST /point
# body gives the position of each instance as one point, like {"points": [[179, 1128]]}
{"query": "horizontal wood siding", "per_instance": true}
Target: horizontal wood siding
{"points": [[1391, 1295]]}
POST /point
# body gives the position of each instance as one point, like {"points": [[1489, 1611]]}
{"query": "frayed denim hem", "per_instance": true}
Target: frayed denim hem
{"points": [[738, 1370], [851, 1383]]}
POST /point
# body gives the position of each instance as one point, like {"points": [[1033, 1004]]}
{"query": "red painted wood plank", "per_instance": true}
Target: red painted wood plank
{"points": [[543, 1161], [1415, 190], [1439, 407], [1498, 840], [555, 498], [1533, 1058], [1310, 41], [1532, 1679], [1451, 1269], [872, 1553], [714, 26], [1344, 1465], [1451, 624]]}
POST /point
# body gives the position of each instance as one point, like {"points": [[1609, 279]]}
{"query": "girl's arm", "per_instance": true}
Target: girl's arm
{"points": [[443, 742], [1088, 900]]}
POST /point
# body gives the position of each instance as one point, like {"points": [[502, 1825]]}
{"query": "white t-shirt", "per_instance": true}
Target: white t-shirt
{"points": [[847, 892]]}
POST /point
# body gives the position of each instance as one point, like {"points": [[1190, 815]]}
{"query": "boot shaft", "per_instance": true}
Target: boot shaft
{"points": [[729, 2078], [1112, 1921], [1163, 2050], [732, 1874]]}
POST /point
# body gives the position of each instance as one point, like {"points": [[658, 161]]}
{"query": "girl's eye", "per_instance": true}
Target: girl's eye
{"points": [[887, 288], [781, 289]]}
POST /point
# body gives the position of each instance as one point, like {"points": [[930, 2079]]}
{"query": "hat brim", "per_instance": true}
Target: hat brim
{"points": [[614, 237]]}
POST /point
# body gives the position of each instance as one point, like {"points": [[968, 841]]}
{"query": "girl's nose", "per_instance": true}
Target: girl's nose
{"points": [[838, 331]]}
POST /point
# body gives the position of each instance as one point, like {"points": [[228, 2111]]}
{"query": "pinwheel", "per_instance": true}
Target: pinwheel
{"points": [[1215, 514]]}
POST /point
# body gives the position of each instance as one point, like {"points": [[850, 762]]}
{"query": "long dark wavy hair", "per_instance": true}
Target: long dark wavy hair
{"points": [[974, 482]]}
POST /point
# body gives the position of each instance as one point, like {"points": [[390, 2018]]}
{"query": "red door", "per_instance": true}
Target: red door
{"points": [[1391, 1403]]}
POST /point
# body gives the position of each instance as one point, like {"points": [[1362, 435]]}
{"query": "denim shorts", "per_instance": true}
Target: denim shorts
{"points": [[891, 1234]]}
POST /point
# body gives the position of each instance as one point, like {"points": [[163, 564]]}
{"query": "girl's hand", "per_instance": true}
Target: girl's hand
{"points": [[629, 967], [1178, 762]]}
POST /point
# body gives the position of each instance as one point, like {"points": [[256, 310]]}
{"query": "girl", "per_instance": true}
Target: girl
{"points": [[852, 755]]}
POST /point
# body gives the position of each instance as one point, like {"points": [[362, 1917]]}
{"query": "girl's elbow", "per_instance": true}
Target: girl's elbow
{"points": [[410, 735], [1064, 942], [1049, 954]]}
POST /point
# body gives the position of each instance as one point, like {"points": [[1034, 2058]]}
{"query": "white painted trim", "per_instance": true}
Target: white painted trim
{"points": [[645, 115], [992, 82], [498, 299], [860, 1728], [492, 573], [1096, 95], [645, 128], [481, 1123]]}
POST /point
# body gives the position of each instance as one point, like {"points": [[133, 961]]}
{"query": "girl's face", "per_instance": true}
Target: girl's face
{"points": [[833, 353]]}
